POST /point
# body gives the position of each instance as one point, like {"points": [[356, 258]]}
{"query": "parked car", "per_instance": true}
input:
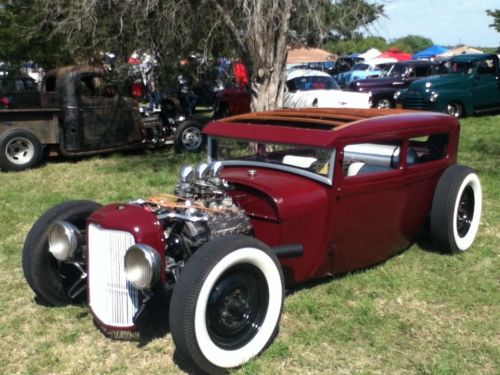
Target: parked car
{"points": [[304, 88], [361, 70], [79, 112], [18, 91], [312, 88], [400, 76], [288, 196], [466, 84]]}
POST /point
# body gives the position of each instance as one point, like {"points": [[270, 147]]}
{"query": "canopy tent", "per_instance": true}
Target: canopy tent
{"points": [[381, 60], [396, 54], [370, 54], [308, 55], [459, 51], [430, 52]]}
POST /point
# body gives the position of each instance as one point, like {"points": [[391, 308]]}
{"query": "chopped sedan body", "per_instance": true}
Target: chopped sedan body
{"points": [[286, 196]]}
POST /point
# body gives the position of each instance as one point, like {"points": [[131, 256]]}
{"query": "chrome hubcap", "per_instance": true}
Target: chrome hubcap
{"points": [[19, 150], [191, 138]]}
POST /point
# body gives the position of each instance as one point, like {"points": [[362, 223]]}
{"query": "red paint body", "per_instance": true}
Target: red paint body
{"points": [[354, 223]]}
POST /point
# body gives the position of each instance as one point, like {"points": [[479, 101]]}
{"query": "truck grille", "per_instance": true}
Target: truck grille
{"points": [[113, 300], [416, 103]]}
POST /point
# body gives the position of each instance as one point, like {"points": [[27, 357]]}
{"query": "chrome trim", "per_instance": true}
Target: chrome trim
{"points": [[175, 215], [113, 300]]}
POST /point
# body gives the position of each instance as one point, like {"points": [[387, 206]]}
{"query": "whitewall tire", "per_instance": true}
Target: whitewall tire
{"points": [[226, 306]]}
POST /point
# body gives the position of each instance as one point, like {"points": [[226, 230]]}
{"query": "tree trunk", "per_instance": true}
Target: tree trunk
{"points": [[266, 52]]}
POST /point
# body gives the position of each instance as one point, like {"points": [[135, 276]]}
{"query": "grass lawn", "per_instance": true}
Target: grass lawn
{"points": [[420, 312]]}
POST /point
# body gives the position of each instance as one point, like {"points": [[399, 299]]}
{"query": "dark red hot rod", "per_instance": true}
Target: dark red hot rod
{"points": [[287, 196]]}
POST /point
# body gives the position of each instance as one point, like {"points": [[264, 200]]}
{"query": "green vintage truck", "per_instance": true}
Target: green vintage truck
{"points": [[467, 84]]}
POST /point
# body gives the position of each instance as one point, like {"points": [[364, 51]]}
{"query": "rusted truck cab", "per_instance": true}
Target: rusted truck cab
{"points": [[80, 113]]}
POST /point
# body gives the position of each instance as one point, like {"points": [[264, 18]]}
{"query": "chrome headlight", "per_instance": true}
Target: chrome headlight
{"points": [[142, 266], [397, 94], [64, 240]]}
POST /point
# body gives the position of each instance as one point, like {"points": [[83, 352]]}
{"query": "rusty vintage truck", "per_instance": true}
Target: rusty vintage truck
{"points": [[81, 113]]}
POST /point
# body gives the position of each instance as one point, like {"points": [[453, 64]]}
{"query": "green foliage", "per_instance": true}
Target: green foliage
{"points": [[346, 17], [412, 43], [358, 44], [495, 13], [21, 38]]}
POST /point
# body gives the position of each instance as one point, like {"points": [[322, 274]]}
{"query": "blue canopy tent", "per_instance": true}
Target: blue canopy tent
{"points": [[429, 52]]}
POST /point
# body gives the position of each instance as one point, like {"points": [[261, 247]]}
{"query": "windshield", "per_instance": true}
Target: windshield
{"points": [[306, 83], [397, 70], [361, 67], [314, 162]]}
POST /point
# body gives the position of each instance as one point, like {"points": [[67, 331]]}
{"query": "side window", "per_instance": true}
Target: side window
{"points": [[371, 158], [422, 71], [427, 148], [19, 85], [50, 84], [96, 86], [486, 67]]}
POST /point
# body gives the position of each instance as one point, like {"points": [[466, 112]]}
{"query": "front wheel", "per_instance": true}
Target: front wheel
{"points": [[19, 150], [226, 306], [454, 109], [385, 103], [188, 137], [456, 210], [54, 282]]}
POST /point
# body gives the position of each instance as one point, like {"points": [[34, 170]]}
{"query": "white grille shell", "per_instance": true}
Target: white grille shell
{"points": [[113, 300]]}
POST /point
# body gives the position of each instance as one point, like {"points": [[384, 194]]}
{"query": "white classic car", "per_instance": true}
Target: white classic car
{"points": [[312, 88]]}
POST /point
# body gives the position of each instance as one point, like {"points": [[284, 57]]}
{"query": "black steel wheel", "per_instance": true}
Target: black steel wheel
{"points": [[50, 279], [19, 150], [226, 306], [456, 210]]}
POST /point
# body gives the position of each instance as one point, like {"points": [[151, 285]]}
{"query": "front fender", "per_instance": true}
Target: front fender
{"points": [[446, 97]]}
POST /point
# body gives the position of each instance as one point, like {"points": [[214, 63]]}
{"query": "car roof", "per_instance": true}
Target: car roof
{"points": [[472, 56], [324, 127], [296, 73], [416, 62]]}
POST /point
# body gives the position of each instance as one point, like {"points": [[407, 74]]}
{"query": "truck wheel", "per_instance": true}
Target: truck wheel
{"points": [[456, 210], [226, 306], [188, 137], [19, 150], [385, 103], [454, 109], [49, 278]]}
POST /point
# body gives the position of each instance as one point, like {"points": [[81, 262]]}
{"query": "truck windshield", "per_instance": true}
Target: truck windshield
{"points": [[309, 161]]}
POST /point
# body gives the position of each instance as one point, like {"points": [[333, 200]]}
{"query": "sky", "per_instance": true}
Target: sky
{"points": [[446, 22]]}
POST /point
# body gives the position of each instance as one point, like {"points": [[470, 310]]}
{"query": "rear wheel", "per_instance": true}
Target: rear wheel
{"points": [[226, 306], [456, 210], [454, 109], [19, 150], [54, 282]]}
